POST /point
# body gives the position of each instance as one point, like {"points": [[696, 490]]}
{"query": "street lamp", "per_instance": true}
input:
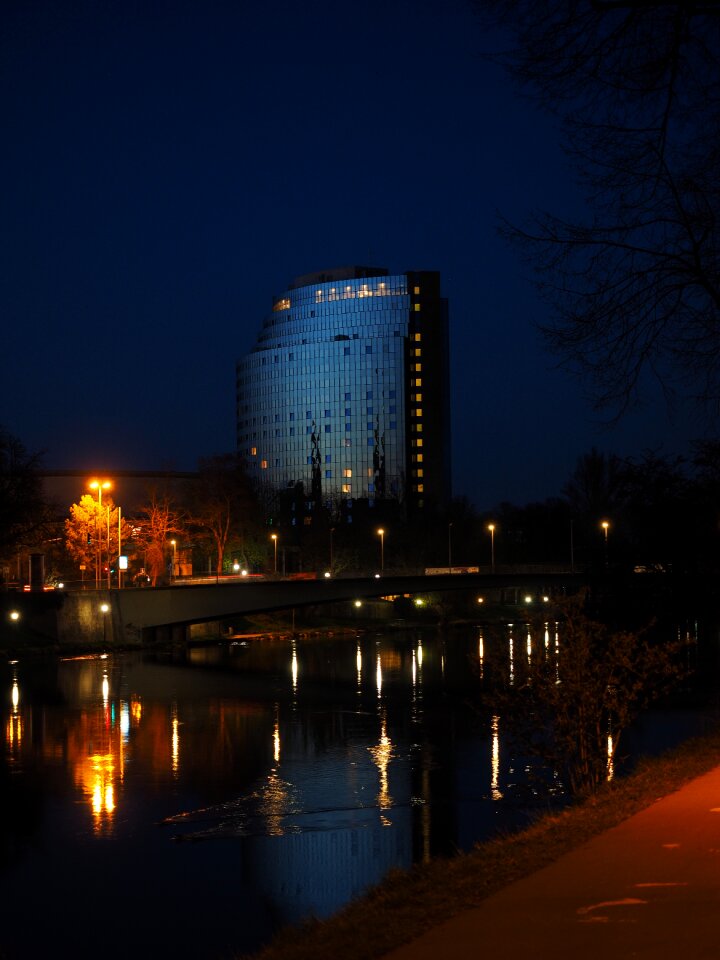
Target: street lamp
{"points": [[381, 534], [274, 538], [173, 544], [606, 526], [100, 485], [491, 528]]}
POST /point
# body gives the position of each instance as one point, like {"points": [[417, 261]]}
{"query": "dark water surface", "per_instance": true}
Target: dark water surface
{"points": [[188, 805]]}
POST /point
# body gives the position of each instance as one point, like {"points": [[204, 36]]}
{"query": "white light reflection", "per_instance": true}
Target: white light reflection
{"points": [[414, 669], [105, 689], [276, 740], [125, 720], [529, 647], [15, 695], [358, 665], [420, 654], [511, 655], [546, 638], [378, 675], [610, 758], [481, 654], [294, 667], [495, 764]]}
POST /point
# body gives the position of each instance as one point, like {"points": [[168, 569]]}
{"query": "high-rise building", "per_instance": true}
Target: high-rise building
{"points": [[346, 390]]}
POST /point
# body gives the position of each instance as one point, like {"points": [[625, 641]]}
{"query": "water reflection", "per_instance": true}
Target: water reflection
{"points": [[314, 767]]}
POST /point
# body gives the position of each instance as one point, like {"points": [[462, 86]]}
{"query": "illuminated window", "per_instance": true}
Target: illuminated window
{"points": [[417, 308], [370, 471], [418, 352], [346, 488], [420, 472], [253, 451], [418, 427], [418, 442], [418, 398], [263, 465], [318, 296], [418, 412], [416, 290], [347, 472], [418, 368], [418, 337]]}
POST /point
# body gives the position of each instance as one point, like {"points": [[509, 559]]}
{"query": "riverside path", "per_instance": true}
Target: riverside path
{"points": [[648, 889]]}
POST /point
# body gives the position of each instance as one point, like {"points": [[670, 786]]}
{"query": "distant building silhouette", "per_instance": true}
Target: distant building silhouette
{"points": [[345, 395]]}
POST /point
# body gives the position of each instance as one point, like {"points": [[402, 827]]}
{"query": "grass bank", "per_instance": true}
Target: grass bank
{"points": [[407, 903]]}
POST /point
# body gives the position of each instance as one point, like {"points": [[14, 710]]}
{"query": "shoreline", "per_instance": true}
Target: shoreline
{"points": [[409, 903]]}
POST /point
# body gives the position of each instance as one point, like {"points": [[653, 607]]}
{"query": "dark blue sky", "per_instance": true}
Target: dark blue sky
{"points": [[169, 166]]}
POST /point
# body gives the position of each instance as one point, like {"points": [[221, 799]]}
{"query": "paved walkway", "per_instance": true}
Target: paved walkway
{"points": [[648, 889]]}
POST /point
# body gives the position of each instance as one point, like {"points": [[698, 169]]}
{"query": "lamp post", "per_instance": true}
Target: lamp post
{"points": [[381, 534], [274, 538], [606, 526], [173, 543], [99, 485], [491, 528]]}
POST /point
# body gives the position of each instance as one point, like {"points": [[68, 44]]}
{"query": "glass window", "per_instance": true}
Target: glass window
{"points": [[328, 474], [346, 488], [328, 458], [327, 413], [348, 397], [347, 472], [416, 307], [328, 428]]}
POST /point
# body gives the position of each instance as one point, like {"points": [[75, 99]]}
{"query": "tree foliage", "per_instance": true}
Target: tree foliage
{"points": [[91, 533], [573, 701], [634, 283]]}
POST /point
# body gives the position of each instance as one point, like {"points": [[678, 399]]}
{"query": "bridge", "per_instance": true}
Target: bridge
{"points": [[143, 613]]}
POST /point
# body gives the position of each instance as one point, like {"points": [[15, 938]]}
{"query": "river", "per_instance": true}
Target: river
{"points": [[190, 804]]}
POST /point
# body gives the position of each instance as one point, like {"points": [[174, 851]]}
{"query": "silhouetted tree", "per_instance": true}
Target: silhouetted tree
{"points": [[634, 283], [23, 510], [224, 505]]}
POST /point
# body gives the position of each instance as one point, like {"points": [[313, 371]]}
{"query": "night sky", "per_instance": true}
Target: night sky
{"points": [[168, 167]]}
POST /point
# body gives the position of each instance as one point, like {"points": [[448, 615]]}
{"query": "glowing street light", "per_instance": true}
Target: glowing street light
{"points": [[100, 485], [491, 528], [381, 534], [173, 544], [274, 538]]}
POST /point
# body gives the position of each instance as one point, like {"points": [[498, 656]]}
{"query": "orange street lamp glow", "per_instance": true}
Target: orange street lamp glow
{"points": [[274, 538]]}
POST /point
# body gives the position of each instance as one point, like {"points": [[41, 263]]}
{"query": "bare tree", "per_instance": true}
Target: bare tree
{"points": [[159, 520], [224, 505], [635, 283]]}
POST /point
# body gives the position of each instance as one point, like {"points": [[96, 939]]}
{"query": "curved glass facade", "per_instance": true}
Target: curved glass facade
{"points": [[332, 396]]}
